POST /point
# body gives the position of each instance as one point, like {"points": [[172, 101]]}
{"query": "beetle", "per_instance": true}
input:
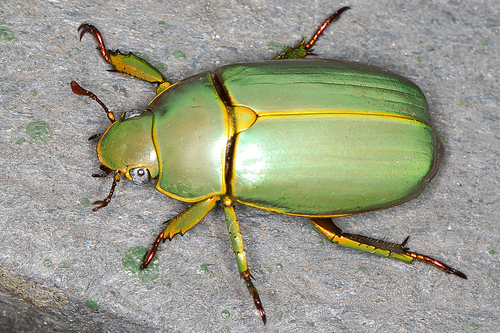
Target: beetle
{"points": [[306, 137]]}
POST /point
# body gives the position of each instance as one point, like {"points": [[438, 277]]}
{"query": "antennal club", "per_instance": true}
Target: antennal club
{"points": [[77, 89]]}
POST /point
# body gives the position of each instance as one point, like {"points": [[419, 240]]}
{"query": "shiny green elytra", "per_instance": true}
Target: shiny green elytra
{"points": [[314, 138]]}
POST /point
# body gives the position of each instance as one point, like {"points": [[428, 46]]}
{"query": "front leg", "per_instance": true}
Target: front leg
{"points": [[180, 224], [128, 64]]}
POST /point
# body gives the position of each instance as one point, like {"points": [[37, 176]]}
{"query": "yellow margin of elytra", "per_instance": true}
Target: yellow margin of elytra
{"points": [[339, 113]]}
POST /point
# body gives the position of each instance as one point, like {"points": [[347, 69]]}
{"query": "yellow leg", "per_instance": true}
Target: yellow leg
{"points": [[233, 226], [128, 64], [180, 224], [376, 246]]}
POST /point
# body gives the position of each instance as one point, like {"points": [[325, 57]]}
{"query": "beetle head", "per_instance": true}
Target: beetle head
{"points": [[127, 146]]}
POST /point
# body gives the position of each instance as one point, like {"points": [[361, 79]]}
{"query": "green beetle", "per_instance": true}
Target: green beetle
{"points": [[313, 138]]}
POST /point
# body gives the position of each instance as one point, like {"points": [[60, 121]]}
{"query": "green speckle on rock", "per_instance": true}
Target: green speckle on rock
{"points": [[179, 55], [34, 93], [141, 55], [6, 35], [38, 131], [161, 24], [92, 303], [225, 329], [85, 202], [133, 260], [225, 314], [463, 103], [473, 327], [161, 67], [205, 270], [492, 252], [47, 263], [273, 46], [162, 319], [63, 265], [279, 266], [112, 293], [443, 137], [361, 269], [20, 141]]}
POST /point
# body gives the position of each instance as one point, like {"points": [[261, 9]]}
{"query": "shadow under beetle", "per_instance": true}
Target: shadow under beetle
{"points": [[313, 138]]}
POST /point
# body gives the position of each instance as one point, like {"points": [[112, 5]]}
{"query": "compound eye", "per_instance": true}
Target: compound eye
{"points": [[139, 175], [131, 114]]}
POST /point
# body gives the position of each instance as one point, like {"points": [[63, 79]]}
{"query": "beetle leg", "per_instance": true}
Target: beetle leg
{"points": [[302, 49], [376, 246], [180, 224], [128, 64], [105, 202], [433, 262], [104, 169], [233, 226]]}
